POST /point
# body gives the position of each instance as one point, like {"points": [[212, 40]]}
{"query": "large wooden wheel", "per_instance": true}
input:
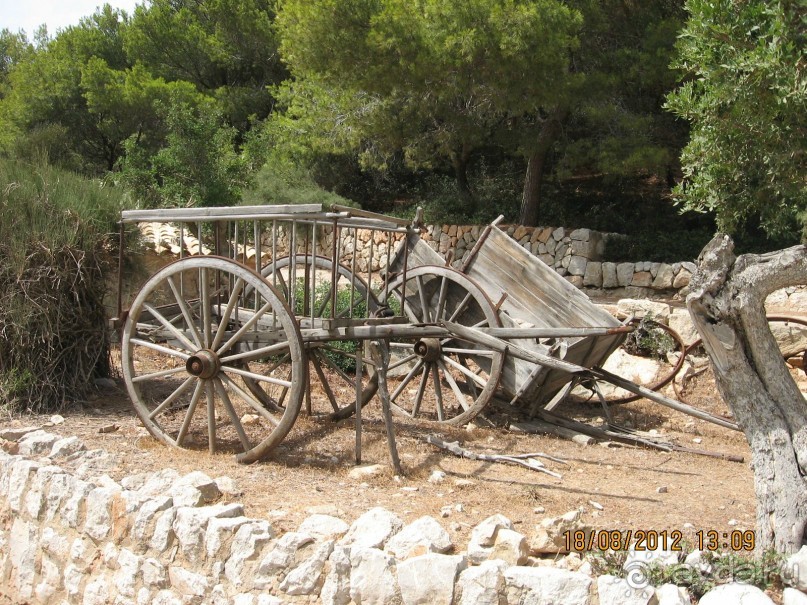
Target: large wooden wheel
{"points": [[331, 390], [447, 380], [194, 346]]}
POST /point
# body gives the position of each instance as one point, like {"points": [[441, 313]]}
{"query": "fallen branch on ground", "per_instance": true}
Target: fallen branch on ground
{"points": [[526, 460]]}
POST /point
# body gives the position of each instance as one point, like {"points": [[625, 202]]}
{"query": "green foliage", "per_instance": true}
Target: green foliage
{"points": [[746, 101], [195, 164], [54, 242], [224, 48], [434, 80]]}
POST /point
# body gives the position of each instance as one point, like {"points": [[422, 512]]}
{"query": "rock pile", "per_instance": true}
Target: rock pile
{"points": [[71, 534]]}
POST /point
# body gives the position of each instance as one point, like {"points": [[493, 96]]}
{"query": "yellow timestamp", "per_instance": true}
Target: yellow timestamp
{"points": [[738, 539]]}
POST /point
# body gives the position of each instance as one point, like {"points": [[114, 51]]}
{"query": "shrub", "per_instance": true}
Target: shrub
{"points": [[54, 245]]}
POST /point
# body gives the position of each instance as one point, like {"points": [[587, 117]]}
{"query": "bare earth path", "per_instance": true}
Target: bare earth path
{"points": [[310, 470]]}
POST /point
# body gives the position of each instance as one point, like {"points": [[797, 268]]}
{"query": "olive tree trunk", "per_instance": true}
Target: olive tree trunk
{"points": [[726, 302]]}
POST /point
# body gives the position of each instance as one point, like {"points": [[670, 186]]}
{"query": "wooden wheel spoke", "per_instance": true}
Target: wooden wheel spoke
{"points": [[157, 347], [324, 381], [186, 312], [331, 364], [207, 318], [210, 393], [454, 386], [460, 308], [401, 362], [325, 301], [280, 347], [170, 327], [248, 399], [441, 300], [245, 328], [438, 392], [352, 306], [186, 423], [470, 383], [258, 377], [172, 397], [473, 376], [471, 352], [160, 374], [424, 308], [407, 379], [228, 311], [424, 379], [284, 287], [228, 406]]}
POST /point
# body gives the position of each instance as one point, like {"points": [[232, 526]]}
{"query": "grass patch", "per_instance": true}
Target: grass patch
{"points": [[55, 244]]}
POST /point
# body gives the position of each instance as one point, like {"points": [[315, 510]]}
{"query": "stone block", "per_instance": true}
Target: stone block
{"points": [[546, 586], [429, 579], [593, 276], [735, 593], [664, 278], [336, 589], [640, 307], [642, 279], [372, 529], [321, 527], [482, 584], [305, 578], [483, 537], [187, 582], [422, 536], [190, 524], [577, 265], [36, 443], [372, 577], [617, 591], [247, 546], [624, 274]]}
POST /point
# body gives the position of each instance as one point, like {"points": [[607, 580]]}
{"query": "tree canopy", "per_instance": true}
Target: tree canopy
{"points": [[746, 100]]}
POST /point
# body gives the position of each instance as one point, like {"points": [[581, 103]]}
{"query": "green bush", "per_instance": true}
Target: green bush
{"points": [[54, 246]]}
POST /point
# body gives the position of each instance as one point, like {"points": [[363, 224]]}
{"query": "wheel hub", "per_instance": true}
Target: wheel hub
{"points": [[428, 349], [203, 364]]}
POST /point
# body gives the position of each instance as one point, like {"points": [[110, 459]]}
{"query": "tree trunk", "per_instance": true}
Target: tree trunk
{"points": [[727, 305], [460, 163], [536, 161]]}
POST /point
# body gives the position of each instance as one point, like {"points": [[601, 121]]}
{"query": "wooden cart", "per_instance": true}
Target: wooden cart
{"points": [[270, 310]]}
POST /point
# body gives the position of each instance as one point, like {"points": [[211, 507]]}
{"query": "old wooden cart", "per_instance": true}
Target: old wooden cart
{"points": [[270, 310]]}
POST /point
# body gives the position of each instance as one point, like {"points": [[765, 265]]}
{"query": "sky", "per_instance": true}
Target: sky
{"points": [[56, 14]]}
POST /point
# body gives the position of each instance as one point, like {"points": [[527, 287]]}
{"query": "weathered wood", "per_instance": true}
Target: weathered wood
{"points": [[538, 297], [726, 304], [527, 460]]}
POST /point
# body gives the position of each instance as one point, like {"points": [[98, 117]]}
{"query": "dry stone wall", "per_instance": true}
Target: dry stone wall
{"points": [[70, 534], [576, 254]]}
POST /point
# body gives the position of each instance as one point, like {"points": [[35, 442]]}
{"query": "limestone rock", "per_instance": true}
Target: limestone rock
{"points": [[372, 577], [483, 537], [663, 279], [743, 594], [219, 532], [99, 512], [66, 447], [510, 547], [549, 535], [17, 433], [794, 571], [366, 470], [791, 596], [624, 274], [546, 586], [336, 589], [188, 582], [23, 554], [247, 546], [320, 527], [429, 579], [682, 279], [577, 265], [282, 555], [639, 308], [305, 578], [372, 529], [644, 557], [482, 584], [190, 525], [198, 481], [422, 536], [36, 443], [609, 277], [670, 594], [617, 591]]}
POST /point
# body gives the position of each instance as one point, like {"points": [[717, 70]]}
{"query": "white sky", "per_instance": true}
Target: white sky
{"points": [[56, 14]]}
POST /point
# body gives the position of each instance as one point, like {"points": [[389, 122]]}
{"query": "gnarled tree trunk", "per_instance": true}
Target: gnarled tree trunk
{"points": [[726, 302]]}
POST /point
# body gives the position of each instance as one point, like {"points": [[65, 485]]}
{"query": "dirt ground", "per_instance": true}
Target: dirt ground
{"points": [[617, 487]]}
